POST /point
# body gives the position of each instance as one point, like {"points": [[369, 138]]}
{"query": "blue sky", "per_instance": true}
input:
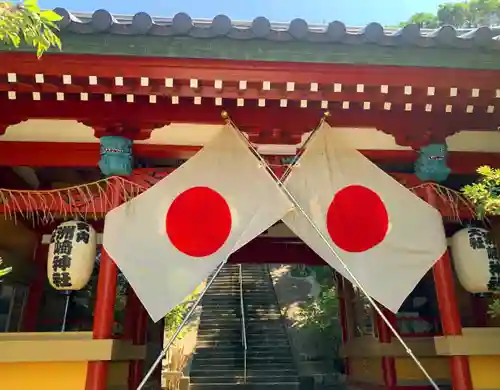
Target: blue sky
{"points": [[351, 12]]}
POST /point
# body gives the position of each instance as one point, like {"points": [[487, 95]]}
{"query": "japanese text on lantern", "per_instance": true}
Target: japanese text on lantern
{"points": [[479, 239], [63, 238]]}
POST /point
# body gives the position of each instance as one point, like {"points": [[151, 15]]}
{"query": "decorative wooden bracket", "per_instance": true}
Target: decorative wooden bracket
{"points": [[5, 124], [420, 134], [133, 131]]}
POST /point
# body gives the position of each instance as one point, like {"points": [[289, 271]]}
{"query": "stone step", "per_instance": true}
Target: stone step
{"points": [[224, 372], [252, 361], [219, 367], [264, 319], [247, 291], [236, 330], [248, 297], [213, 304], [256, 336], [248, 286], [237, 347], [249, 307], [252, 341], [252, 335], [235, 285], [205, 342], [234, 303], [235, 277], [249, 379], [267, 320], [238, 352], [236, 312], [251, 314], [272, 324], [219, 356], [248, 386]]}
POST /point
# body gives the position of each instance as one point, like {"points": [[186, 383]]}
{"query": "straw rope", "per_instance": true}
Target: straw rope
{"points": [[80, 201], [90, 200]]}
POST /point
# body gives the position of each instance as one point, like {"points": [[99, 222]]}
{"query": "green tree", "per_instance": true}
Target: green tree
{"points": [[464, 14], [484, 194], [424, 20], [27, 23], [454, 14], [484, 12], [320, 315]]}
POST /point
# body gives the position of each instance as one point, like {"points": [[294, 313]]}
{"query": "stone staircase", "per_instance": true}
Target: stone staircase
{"points": [[219, 359]]}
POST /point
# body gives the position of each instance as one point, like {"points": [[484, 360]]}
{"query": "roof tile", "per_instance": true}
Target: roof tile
{"points": [[101, 21]]}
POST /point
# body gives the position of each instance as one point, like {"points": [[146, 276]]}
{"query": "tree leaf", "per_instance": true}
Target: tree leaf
{"points": [[5, 271], [31, 5], [27, 23], [50, 16]]}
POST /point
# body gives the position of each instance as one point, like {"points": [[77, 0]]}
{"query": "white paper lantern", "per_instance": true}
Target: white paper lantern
{"points": [[476, 260], [72, 253]]}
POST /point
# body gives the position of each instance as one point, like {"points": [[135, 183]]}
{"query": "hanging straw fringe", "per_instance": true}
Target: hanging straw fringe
{"points": [[81, 201], [93, 199], [449, 202]]}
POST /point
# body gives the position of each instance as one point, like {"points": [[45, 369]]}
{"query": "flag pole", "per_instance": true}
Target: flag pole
{"points": [[372, 302], [163, 353]]}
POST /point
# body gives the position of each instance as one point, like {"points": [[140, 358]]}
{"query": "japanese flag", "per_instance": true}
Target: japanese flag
{"points": [[388, 237], [169, 239]]}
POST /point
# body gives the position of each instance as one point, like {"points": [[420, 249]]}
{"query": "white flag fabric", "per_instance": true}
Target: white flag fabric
{"points": [[167, 240], [387, 236]]}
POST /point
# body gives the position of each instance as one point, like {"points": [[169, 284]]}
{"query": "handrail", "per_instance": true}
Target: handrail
{"points": [[243, 326]]}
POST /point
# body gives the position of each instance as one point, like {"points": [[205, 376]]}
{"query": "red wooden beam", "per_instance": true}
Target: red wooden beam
{"points": [[272, 116], [409, 127], [265, 251], [251, 71], [370, 94], [66, 154], [69, 154]]}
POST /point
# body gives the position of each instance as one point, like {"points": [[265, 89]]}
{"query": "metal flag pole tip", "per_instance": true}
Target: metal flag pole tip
{"points": [[327, 114], [224, 115]]}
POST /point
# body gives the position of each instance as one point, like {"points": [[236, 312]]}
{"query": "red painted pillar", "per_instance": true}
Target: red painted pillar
{"points": [[138, 317], [104, 311], [384, 337], [449, 312], [450, 320], [35, 293], [104, 314]]}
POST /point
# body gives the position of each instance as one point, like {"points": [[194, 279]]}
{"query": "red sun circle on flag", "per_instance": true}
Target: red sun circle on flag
{"points": [[357, 219], [198, 222]]}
